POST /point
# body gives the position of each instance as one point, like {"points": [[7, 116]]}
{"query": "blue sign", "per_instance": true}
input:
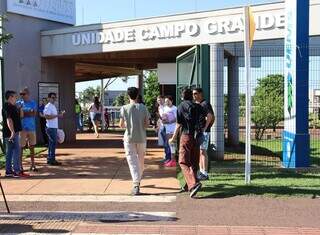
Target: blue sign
{"points": [[296, 140]]}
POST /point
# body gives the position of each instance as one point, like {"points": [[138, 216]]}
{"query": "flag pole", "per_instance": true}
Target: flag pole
{"points": [[248, 95]]}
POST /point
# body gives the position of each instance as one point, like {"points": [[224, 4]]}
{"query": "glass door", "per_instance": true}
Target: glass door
{"points": [[193, 69]]}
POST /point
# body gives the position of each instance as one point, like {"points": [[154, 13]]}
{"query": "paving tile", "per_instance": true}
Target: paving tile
{"points": [[246, 231], [70, 186], [281, 231], [206, 230], [19, 186]]}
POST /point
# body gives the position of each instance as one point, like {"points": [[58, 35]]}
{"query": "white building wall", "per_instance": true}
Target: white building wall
{"points": [[167, 73]]}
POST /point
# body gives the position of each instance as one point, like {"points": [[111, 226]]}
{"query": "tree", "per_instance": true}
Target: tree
{"points": [[242, 104], [151, 90], [86, 96], [4, 37], [121, 99], [268, 102]]}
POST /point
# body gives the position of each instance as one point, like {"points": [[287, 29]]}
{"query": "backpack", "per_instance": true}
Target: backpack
{"points": [[196, 110], [200, 124]]}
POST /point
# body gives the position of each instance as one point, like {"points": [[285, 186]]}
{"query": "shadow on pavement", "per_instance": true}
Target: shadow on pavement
{"points": [[22, 228]]}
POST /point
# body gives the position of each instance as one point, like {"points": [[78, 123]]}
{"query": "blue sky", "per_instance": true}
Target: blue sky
{"points": [[96, 11]]}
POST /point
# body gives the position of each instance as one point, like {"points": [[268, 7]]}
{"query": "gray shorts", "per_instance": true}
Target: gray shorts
{"points": [[205, 144]]}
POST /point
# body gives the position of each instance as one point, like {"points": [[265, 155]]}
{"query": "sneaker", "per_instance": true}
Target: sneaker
{"points": [[8, 175], [171, 163], [54, 163], [195, 189], [20, 175], [135, 190], [202, 176], [164, 160]]}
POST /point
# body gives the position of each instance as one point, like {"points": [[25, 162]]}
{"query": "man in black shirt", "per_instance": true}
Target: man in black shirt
{"points": [[11, 129], [198, 98], [188, 121]]}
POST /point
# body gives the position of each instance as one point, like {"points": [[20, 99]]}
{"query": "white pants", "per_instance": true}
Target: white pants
{"points": [[135, 153]]}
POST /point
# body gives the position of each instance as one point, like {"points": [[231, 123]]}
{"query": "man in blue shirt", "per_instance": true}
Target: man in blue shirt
{"points": [[28, 134]]}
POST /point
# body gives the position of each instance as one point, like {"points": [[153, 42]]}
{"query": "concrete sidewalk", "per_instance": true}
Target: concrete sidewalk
{"points": [[84, 228], [94, 167]]}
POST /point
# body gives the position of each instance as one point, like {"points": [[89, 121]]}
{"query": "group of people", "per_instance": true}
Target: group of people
{"points": [[19, 129], [188, 124]]}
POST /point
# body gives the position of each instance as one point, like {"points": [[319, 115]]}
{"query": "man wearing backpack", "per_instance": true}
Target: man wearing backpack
{"points": [[188, 121], [198, 98]]}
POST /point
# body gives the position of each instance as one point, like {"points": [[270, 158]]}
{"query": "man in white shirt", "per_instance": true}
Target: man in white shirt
{"points": [[51, 114]]}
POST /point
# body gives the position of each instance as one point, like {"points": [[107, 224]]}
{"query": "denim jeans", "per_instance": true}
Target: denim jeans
{"points": [[52, 137], [13, 155], [166, 145], [78, 122]]}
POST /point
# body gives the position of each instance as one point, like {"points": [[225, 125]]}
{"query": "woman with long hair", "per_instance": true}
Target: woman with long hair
{"points": [[95, 114], [169, 118]]}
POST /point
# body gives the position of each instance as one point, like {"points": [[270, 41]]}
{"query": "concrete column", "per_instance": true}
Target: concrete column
{"points": [[140, 83], [217, 98], [102, 91], [233, 101], [62, 72]]}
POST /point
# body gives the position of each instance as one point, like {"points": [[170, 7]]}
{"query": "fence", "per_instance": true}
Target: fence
{"points": [[268, 66]]}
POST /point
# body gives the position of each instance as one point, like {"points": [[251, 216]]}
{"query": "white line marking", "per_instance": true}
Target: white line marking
{"points": [[90, 216], [89, 198]]}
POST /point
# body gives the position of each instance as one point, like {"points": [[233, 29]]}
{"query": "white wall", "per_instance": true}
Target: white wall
{"points": [[167, 74]]}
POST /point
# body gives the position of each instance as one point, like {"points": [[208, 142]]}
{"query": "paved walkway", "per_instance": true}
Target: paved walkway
{"points": [[89, 194], [83, 228], [94, 167]]}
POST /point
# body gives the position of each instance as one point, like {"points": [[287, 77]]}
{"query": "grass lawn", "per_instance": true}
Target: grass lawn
{"points": [[270, 184], [38, 150], [224, 184], [269, 152], [267, 178]]}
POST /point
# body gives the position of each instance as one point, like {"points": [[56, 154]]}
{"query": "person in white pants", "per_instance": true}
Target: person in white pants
{"points": [[134, 117]]}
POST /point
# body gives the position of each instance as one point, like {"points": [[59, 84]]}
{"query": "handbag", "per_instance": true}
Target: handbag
{"points": [[60, 136]]}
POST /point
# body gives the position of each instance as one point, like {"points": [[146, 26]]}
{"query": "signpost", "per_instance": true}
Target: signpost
{"points": [[1, 105], [296, 140]]}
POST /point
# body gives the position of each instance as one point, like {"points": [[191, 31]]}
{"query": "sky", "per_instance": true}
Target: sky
{"points": [[102, 11]]}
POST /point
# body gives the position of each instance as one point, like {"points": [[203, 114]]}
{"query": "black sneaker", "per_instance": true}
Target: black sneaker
{"points": [[195, 189], [135, 190], [10, 175], [202, 176], [54, 163]]}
